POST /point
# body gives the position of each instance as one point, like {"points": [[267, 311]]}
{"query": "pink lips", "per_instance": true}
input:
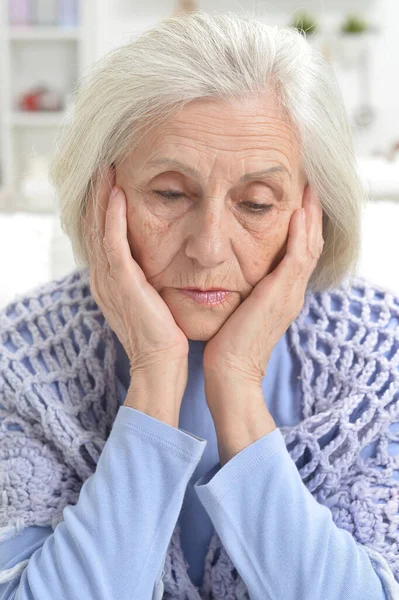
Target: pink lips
{"points": [[207, 298]]}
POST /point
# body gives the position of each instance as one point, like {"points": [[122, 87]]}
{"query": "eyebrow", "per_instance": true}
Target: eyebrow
{"points": [[175, 164]]}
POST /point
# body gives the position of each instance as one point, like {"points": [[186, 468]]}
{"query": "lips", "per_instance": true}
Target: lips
{"points": [[212, 298], [207, 290]]}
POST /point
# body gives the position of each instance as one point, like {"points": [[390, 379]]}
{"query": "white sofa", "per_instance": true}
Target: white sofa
{"points": [[33, 250]]}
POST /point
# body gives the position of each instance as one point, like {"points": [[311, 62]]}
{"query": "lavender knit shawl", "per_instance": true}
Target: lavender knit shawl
{"points": [[49, 448]]}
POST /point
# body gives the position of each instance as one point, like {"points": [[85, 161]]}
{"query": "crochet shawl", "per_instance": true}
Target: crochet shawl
{"points": [[347, 343]]}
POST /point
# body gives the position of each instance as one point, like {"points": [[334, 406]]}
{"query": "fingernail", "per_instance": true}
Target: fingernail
{"points": [[114, 191]]}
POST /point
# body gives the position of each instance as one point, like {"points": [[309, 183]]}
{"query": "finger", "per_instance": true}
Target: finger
{"points": [[102, 195], [89, 219], [297, 244], [116, 244], [314, 221], [294, 266]]}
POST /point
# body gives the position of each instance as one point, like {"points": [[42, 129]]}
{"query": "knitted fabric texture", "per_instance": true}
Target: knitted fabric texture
{"points": [[49, 447]]}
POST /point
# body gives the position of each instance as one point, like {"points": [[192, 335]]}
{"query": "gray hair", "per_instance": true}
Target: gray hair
{"points": [[225, 56]]}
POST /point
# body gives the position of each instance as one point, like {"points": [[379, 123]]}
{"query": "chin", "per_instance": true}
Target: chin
{"points": [[198, 334], [199, 329]]}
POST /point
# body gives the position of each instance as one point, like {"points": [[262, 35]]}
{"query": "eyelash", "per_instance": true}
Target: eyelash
{"points": [[260, 208]]}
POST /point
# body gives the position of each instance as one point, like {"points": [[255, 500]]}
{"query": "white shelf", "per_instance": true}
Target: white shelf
{"points": [[41, 33], [54, 56]]}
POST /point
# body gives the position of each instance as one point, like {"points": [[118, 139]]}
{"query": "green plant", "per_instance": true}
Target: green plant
{"points": [[354, 24], [304, 23]]}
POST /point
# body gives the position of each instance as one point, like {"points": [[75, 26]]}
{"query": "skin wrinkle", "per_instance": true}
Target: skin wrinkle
{"points": [[209, 238], [195, 174]]}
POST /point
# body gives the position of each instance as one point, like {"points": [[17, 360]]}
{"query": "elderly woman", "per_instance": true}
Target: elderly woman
{"points": [[206, 407]]}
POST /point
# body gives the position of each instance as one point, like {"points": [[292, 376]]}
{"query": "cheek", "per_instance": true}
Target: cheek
{"points": [[150, 244], [267, 252]]}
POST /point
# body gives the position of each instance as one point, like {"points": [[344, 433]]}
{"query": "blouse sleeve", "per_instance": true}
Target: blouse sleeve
{"points": [[283, 542], [113, 542]]}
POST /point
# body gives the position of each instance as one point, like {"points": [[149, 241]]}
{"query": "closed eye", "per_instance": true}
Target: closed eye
{"points": [[251, 206]]}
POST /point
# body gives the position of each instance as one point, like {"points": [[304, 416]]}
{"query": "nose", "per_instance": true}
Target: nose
{"points": [[209, 241]]}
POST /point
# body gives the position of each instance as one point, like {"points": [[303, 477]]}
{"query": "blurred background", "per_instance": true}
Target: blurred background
{"points": [[46, 46]]}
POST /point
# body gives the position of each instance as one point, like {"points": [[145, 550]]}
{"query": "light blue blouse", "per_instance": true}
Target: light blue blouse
{"points": [[151, 475]]}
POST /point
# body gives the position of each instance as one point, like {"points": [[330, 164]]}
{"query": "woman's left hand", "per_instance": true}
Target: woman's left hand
{"points": [[240, 351]]}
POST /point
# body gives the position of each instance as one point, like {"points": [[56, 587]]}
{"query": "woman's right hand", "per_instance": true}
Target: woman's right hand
{"points": [[134, 310]]}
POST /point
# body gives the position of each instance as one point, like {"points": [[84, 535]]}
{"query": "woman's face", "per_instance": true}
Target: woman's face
{"points": [[211, 236]]}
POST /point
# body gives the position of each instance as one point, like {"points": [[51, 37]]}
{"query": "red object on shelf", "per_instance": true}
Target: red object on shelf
{"points": [[40, 98], [30, 101]]}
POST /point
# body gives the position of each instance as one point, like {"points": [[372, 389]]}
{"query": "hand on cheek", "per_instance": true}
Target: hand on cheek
{"points": [[242, 347]]}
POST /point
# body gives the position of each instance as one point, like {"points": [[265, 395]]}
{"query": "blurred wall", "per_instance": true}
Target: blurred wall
{"points": [[120, 19]]}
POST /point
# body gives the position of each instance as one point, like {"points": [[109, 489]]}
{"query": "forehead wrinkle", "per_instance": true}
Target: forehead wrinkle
{"points": [[176, 164]]}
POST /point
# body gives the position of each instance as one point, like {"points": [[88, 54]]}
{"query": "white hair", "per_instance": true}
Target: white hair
{"points": [[224, 57]]}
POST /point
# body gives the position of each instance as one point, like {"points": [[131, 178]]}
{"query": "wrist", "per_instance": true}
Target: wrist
{"points": [[163, 416], [158, 392], [142, 399], [232, 404]]}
